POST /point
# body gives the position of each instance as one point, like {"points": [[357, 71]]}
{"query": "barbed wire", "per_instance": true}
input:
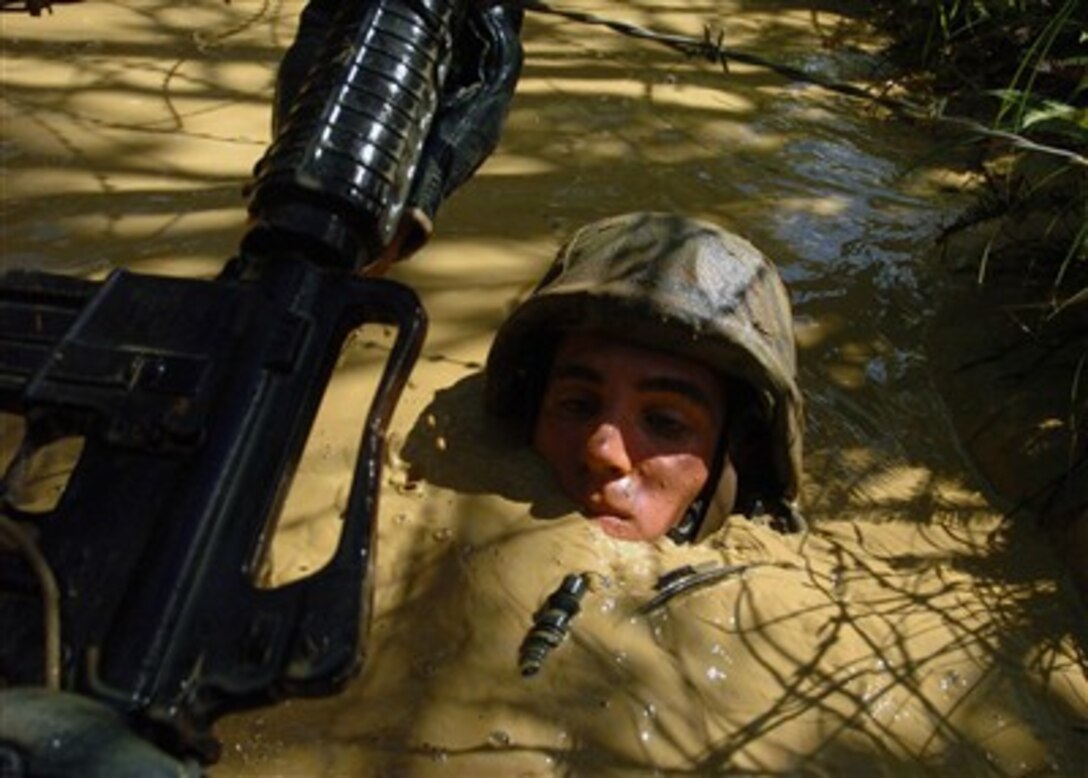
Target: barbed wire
{"points": [[711, 47]]}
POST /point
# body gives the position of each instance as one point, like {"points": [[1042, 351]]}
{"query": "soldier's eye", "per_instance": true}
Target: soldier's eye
{"points": [[668, 425], [577, 406]]}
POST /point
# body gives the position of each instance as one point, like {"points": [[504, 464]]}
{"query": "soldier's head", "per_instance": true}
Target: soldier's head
{"points": [[654, 368]]}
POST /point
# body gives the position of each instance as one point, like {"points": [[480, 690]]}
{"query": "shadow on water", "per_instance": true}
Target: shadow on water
{"points": [[95, 169], [1027, 605], [821, 184], [455, 446]]}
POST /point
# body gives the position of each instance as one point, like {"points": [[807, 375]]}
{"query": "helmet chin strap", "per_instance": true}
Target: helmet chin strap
{"points": [[688, 526], [687, 529]]}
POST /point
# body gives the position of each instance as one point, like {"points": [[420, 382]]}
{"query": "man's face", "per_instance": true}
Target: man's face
{"points": [[629, 432]]}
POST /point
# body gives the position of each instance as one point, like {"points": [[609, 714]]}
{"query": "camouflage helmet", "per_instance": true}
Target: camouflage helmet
{"points": [[677, 285]]}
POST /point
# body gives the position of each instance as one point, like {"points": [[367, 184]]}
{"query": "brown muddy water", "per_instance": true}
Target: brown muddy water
{"points": [[915, 629]]}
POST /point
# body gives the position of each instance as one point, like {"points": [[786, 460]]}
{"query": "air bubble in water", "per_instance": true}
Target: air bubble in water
{"points": [[409, 488]]}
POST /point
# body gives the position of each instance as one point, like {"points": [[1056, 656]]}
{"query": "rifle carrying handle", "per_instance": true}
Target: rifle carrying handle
{"points": [[305, 637], [332, 603]]}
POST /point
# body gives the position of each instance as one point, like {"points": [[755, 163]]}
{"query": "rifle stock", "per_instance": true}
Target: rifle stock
{"points": [[195, 399]]}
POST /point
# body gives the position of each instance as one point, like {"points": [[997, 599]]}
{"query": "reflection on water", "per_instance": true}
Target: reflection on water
{"points": [[914, 629]]}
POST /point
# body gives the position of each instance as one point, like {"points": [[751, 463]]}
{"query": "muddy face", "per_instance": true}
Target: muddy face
{"points": [[629, 432]]}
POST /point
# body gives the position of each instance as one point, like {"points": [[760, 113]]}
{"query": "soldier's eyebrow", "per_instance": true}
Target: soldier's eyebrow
{"points": [[689, 389], [577, 371]]}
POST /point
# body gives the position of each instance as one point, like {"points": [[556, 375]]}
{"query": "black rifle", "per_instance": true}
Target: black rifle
{"points": [[195, 399]]}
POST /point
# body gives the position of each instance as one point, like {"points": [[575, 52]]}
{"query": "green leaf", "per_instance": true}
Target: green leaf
{"points": [[1048, 110]]}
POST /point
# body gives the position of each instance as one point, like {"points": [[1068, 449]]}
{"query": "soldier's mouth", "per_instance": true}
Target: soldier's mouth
{"points": [[605, 512]]}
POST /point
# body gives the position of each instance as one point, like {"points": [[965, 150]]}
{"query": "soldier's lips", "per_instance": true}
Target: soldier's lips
{"points": [[615, 526], [610, 504], [602, 513]]}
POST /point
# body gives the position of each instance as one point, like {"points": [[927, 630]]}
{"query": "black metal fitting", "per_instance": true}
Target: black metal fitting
{"points": [[337, 176], [551, 623]]}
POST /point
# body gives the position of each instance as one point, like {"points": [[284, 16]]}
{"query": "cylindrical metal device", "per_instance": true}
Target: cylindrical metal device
{"points": [[336, 178], [551, 623]]}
